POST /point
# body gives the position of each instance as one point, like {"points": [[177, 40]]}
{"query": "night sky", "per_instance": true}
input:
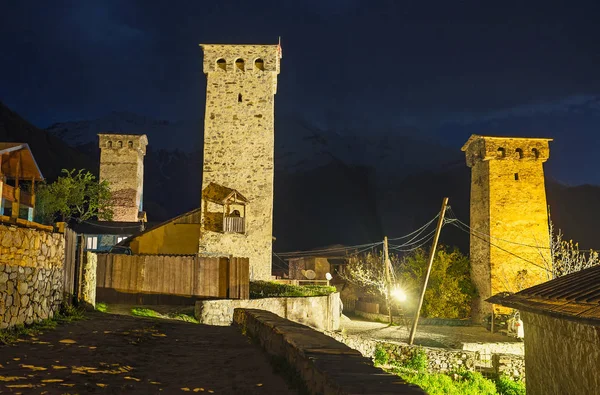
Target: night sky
{"points": [[435, 70]]}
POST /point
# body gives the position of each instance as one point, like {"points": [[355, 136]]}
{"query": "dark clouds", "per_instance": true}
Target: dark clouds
{"points": [[416, 64]]}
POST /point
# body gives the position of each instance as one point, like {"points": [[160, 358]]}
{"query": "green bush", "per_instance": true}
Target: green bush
{"points": [[381, 356], [417, 361], [443, 384], [507, 386], [270, 289], [449, 291], [101, 307]]}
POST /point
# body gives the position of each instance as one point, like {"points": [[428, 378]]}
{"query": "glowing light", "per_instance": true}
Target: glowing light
{"points": [[398, 294], [328, 276]]}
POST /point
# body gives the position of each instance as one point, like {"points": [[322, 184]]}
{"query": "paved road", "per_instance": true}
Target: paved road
{"points": [[120, 354]]}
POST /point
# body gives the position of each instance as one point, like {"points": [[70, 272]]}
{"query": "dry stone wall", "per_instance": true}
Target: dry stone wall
{"points": [[239, 147], [31, 275]]}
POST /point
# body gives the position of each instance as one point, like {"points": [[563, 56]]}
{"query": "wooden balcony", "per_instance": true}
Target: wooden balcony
{"points": [[8, 193], [234, 225]]}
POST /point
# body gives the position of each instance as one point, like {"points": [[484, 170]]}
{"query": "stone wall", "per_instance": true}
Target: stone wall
{"points": [[31, 275], [320, 312], [122, 165], [562, 357], [239, 147], [508, 204], [324, 365], [512, 348], [439, 360]]}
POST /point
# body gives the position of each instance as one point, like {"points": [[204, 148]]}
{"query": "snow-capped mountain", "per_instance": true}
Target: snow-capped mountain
{"points": [[165, 134]]}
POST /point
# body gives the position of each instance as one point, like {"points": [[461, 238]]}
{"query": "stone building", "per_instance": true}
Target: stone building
{"points": [[509, 216], [561, 321], [122, 165], [237, 183]]}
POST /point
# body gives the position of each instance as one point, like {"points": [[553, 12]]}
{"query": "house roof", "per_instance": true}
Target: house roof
{"points": [[27, 170], [222, 195], [108, 227], [575, 297], [190, 217]]}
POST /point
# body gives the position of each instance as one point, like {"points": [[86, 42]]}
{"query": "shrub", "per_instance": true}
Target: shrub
{"points": [[381, 356], [270, 289], [507, 386], [442, 384], [417, 361]]}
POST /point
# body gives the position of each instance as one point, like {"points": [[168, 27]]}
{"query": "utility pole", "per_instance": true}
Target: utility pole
{"points": [[431, 257], [386, 262]]}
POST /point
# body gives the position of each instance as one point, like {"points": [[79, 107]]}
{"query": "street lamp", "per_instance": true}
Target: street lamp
{"points": [[398, 294], [328, 276]]}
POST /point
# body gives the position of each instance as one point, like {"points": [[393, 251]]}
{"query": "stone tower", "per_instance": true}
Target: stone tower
{"points": [[508, 210], [122, 165], [237, 178]]}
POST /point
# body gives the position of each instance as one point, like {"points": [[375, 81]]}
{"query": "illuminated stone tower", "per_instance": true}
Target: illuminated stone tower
{"points": [[508, 210], [237, 178], [122, 165]]}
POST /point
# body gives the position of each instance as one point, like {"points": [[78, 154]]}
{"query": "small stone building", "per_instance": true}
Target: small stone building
{"points": [[561, 320], [510, 239], [122, 165]]}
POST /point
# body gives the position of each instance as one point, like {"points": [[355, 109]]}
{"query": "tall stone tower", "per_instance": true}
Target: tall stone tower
{"points": [[509, 215], [122, 165], [237, 178]]}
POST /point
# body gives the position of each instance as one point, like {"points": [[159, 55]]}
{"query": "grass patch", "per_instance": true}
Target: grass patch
{"points": [[458, 382], [143, 312], [101, 307], [66, 314], [270, 289]]}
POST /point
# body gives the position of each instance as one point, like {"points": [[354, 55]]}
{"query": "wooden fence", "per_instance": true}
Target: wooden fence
{"points": [[70, 268], [167, 279]]}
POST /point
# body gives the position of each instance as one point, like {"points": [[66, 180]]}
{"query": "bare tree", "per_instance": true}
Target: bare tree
{"points": [[566, 255]]}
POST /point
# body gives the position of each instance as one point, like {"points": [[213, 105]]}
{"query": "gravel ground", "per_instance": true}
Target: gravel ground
{"points": [[427, 335]]}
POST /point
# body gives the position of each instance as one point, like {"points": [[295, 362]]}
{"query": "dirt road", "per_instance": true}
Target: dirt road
{"points": [[119, 354]]}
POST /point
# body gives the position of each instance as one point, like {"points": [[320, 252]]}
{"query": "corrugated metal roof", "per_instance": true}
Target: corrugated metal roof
{"points": [[575, 296]]}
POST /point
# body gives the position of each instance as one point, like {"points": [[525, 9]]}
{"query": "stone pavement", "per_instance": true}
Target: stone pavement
{"points": [[115, 353]]}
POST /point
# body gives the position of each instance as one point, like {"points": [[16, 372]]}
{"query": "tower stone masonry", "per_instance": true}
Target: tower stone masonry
{"points": [[239, 153], [509, 216], [122, 165]]}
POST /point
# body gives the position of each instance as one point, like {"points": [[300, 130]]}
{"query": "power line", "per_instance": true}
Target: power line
{"points": [[422, 228], [505, 250]]}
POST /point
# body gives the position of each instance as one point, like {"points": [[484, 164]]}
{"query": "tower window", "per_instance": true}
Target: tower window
{"points": [[535, 152], [130, 144], [222, 64], [239, 97], [119, 144], [259, 64], [501, 152], [109, 144], [519, 153], [516, 176], [239, 63]]}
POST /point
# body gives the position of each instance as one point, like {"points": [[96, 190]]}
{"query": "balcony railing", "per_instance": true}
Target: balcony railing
{"points": [[8, 193], [234, 225]]}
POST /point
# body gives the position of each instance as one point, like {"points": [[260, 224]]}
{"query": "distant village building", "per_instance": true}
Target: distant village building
{"points": [[562, 333], [509, 217], [238, 171], [18, 174], [122, 165]]}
